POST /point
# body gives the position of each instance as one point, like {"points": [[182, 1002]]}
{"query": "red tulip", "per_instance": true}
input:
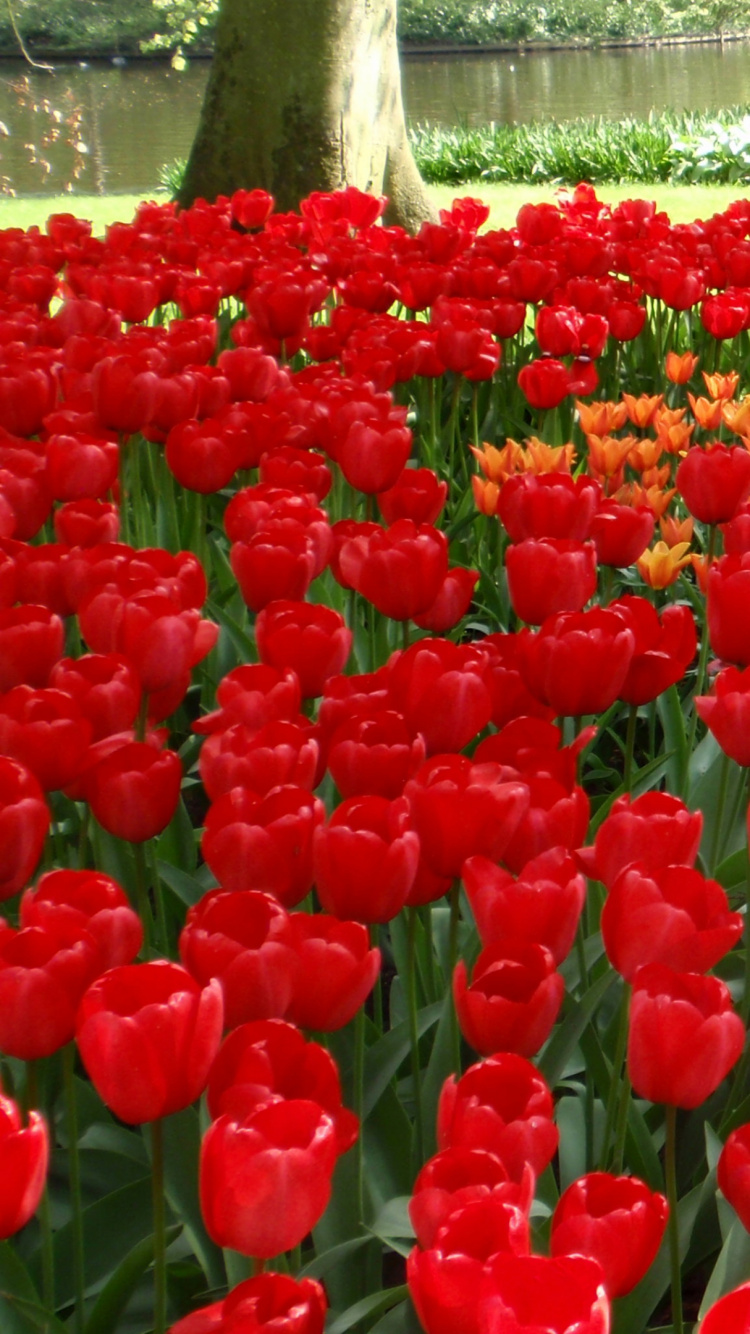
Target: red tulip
{"points": [[733, 1173], [456, 1177], [337, 970], [512, 999], [275, 1301], [24, 1154], [578, 661], [543, 905], [503, 1105], [443, 692], [530, 1292], [277, 753], [265, 1180], [714, 481], [24, 821], [729, 608], [265, 843], [548, 505], [549, 575], [92, 902], [726, 712], [133, 792], [268, 1060], [147, 1035], [672, 915], [31, 641], [311, 639], [365, 859], [460, 809], [655, 829], [240, 938], [615, 1220], [730, 1315], [374, 755], [400, 569], [684, 1036]]}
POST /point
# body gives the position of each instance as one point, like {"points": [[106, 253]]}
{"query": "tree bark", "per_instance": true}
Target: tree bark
{"points": [[305, 95]]}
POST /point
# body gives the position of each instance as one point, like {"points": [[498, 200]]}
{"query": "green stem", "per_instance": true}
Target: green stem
{"points": [[452, 961], [719, 814], [674, 1230], [627, 775], [621, 1129], [745, 1006], [74, 1173], [702, 662], [359, 1095], [411, 986], [426, 915], [160, 1232], [141, 897], [618, 1072], [45, 1221], [162, 935]]}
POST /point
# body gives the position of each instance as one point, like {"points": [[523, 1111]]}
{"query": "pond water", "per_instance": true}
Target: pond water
{"points": [[96, 129]]}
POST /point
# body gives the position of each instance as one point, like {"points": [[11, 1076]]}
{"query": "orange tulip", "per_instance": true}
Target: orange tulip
{"points": [[680, 367], [601, 418], [541, 458], [656, 477], [498, 464], [700, 566], [660, 566], [675, 439], [676, 530], [707, 411], [645, 454], [655, 497], [607, 454], [722, 386], [737, 416], [641, 410], [486, 494]]}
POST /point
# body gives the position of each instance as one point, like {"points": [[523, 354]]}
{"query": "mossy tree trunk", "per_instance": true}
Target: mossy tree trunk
{"points": [[306, 95]]}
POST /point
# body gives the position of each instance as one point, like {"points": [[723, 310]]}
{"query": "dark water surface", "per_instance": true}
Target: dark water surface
{"points": [[91, 130]]}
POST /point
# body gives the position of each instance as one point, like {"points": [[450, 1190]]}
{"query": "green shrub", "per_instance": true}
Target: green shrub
{"points": [[686, 147]]}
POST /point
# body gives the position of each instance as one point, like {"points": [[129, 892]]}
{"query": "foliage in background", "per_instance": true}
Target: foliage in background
{"points": [[482, 21], [97, 28], [669, 146], [102, 28]]}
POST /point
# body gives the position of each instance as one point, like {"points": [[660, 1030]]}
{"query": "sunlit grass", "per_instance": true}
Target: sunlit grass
{"points": [[683, 203]]}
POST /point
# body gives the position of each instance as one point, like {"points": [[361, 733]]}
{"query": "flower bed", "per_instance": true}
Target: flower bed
{"points": [[374, 662]]}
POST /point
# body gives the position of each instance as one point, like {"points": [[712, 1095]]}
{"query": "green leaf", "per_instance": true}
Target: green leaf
{"points": [[393, 1219], [21, 1311], [188, 888], [384, 1059], [182, 1140], [389, 1170], [568, 1034], [672, 718], [372, 1305], [176, 846], [401, 1319], [117, 1292], [111, 1226], [439, 1067], [328, 1260], [634, 1310]]}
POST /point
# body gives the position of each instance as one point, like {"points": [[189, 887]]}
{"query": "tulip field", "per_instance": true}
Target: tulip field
{"points": [[374, 740]]}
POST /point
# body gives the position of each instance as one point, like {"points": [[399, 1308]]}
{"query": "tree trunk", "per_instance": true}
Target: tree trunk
{"points": [[306, 95]]}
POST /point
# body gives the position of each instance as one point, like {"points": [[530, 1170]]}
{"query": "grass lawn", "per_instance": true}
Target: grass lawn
{"points": [[683, 203]]}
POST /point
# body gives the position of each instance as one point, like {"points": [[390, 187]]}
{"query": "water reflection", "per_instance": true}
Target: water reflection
{"points": [[91, 130]]}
